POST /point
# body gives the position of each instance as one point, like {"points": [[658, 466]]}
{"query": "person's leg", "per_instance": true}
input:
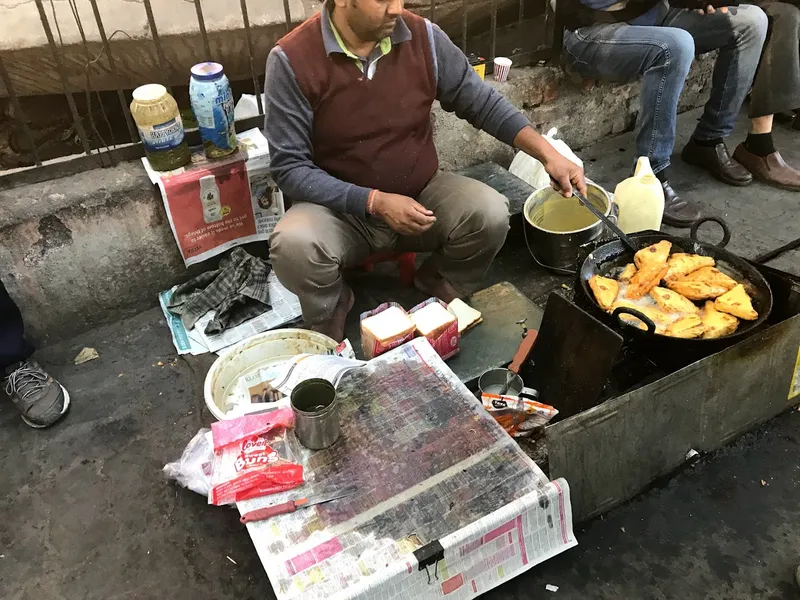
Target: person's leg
{"points": [[663, 56], [621, 53], [310, 247], [776, 89], [472, 221], [739, 36], [13, 347], [41, 400]]}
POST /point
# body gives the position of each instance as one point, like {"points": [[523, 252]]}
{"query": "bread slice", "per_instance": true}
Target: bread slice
{"points": [[718, 324], [605, 290], [646, 278], [688, 327], [627, 273], [737, 303], [673, 302], [681, 265], [385, 330], [467, 316], [657, 254], [432, 320]]}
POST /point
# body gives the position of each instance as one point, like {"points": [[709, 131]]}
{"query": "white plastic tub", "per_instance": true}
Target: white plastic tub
{"points": [[255, 353]]}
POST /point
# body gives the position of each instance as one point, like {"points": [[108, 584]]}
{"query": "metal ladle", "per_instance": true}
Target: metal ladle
{"points": [[606, 221]]}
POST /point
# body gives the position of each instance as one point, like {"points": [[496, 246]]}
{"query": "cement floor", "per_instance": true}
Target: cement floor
{"points": [[87, 515]]}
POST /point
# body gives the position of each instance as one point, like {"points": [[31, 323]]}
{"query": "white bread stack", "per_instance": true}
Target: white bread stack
{"points": [[385, 330], [432, 320]]}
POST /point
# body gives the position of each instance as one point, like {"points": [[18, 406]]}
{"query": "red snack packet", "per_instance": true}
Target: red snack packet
{"points": [[252, 467], [234, 430]]}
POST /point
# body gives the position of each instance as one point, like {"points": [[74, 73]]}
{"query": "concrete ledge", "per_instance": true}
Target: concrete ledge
{"points": [[96, 247]]}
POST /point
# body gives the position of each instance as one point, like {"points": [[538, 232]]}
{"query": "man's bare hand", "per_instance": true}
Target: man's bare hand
{"points": [[403, 214], [565, 173], [710, 10]]}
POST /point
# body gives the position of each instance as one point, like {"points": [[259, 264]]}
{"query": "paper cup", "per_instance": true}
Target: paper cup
{"points": [[502, 66]]}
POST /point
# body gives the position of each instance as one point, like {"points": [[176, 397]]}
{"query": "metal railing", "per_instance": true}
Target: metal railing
{"points": [[106, 153]]}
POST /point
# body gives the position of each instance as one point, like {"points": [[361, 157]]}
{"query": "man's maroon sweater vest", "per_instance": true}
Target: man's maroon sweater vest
{"points": [[373, 133]]}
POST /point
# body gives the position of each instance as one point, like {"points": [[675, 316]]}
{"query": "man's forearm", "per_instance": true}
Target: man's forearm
{"points": [[530, 142]]}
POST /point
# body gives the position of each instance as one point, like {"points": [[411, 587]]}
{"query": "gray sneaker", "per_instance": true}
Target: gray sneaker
{"points": [[41, 400]]}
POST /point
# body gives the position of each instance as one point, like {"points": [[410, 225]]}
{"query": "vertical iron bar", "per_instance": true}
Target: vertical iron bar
{"points": [[113, 66], [494, 30], [249, 39], [464, 24], [20, 114], [76, 118], [558, 31], [162, 60], [288, 14], [521, 10], [433, 11], [202, 23]]}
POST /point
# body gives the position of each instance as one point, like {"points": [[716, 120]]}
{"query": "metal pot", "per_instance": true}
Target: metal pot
{"points": [[558, 250]]}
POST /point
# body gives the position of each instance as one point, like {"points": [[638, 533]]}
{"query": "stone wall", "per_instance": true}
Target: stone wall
{"points": [[93, 248]]}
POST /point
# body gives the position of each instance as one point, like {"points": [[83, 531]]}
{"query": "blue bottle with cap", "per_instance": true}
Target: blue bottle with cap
{"points": [[212, 102]]}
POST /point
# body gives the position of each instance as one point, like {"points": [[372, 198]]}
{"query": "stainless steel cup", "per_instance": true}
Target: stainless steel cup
{"points": [[316, 413]]}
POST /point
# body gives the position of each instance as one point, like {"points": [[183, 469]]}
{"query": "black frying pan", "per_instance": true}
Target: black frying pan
{"points": [[609, 259]]}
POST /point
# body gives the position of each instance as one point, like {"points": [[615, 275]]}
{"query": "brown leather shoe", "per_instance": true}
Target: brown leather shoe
{"points": [[771, 169], [677, 211], [717, 161]]}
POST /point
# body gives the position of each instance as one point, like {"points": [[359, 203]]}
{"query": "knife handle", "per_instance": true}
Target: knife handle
{"points": [[270, 511], [524, 351]]}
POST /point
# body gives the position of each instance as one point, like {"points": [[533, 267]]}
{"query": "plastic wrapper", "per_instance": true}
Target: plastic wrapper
{"points": [[234, 430], [193, 469], [253, 465], [445, 340], [374, 346], [519, 415]]}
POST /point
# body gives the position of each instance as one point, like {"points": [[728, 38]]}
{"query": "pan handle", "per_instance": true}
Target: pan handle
{"points": [[726, 231], [624, 310]]}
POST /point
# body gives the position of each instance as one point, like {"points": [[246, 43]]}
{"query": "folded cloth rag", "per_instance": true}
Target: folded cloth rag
{"points": [[237, 291]]}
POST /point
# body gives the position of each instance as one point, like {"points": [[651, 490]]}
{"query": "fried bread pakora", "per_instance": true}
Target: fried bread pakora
{"points": [[688, 327], [605, 290], [627, 273], [658, 317], [681, 265], [646, 278], [711, 276], [657, 254], [737, 303], [718, 324], [696, 290], [672, 302]]}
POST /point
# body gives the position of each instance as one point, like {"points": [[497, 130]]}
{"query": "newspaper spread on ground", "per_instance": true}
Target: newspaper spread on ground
{"points": [[215, 205], [446, 503], [285, 309]]}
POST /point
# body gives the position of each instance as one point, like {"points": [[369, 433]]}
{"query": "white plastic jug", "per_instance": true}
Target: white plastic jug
{"points": [[640, 199]]}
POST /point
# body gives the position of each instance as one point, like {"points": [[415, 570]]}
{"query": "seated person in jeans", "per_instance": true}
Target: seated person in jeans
{"points": [[776, 90], [39, 398], [619, 41]]}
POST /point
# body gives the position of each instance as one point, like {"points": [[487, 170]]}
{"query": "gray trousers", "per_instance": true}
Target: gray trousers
{"points": [[777, 85], [311, 244]]}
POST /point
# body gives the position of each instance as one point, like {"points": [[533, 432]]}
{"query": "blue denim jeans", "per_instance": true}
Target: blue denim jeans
{"points": [[662, 54], [13, 347]]}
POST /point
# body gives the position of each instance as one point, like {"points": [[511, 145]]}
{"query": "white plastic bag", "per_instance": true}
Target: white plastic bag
{"points": [[531, 171], [193, 469]]}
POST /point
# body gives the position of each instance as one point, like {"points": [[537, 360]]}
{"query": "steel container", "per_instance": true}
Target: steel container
{"points": [[316, 413]]}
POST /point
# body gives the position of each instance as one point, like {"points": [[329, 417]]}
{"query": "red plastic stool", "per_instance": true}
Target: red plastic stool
{"points": [[404, 260]]}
